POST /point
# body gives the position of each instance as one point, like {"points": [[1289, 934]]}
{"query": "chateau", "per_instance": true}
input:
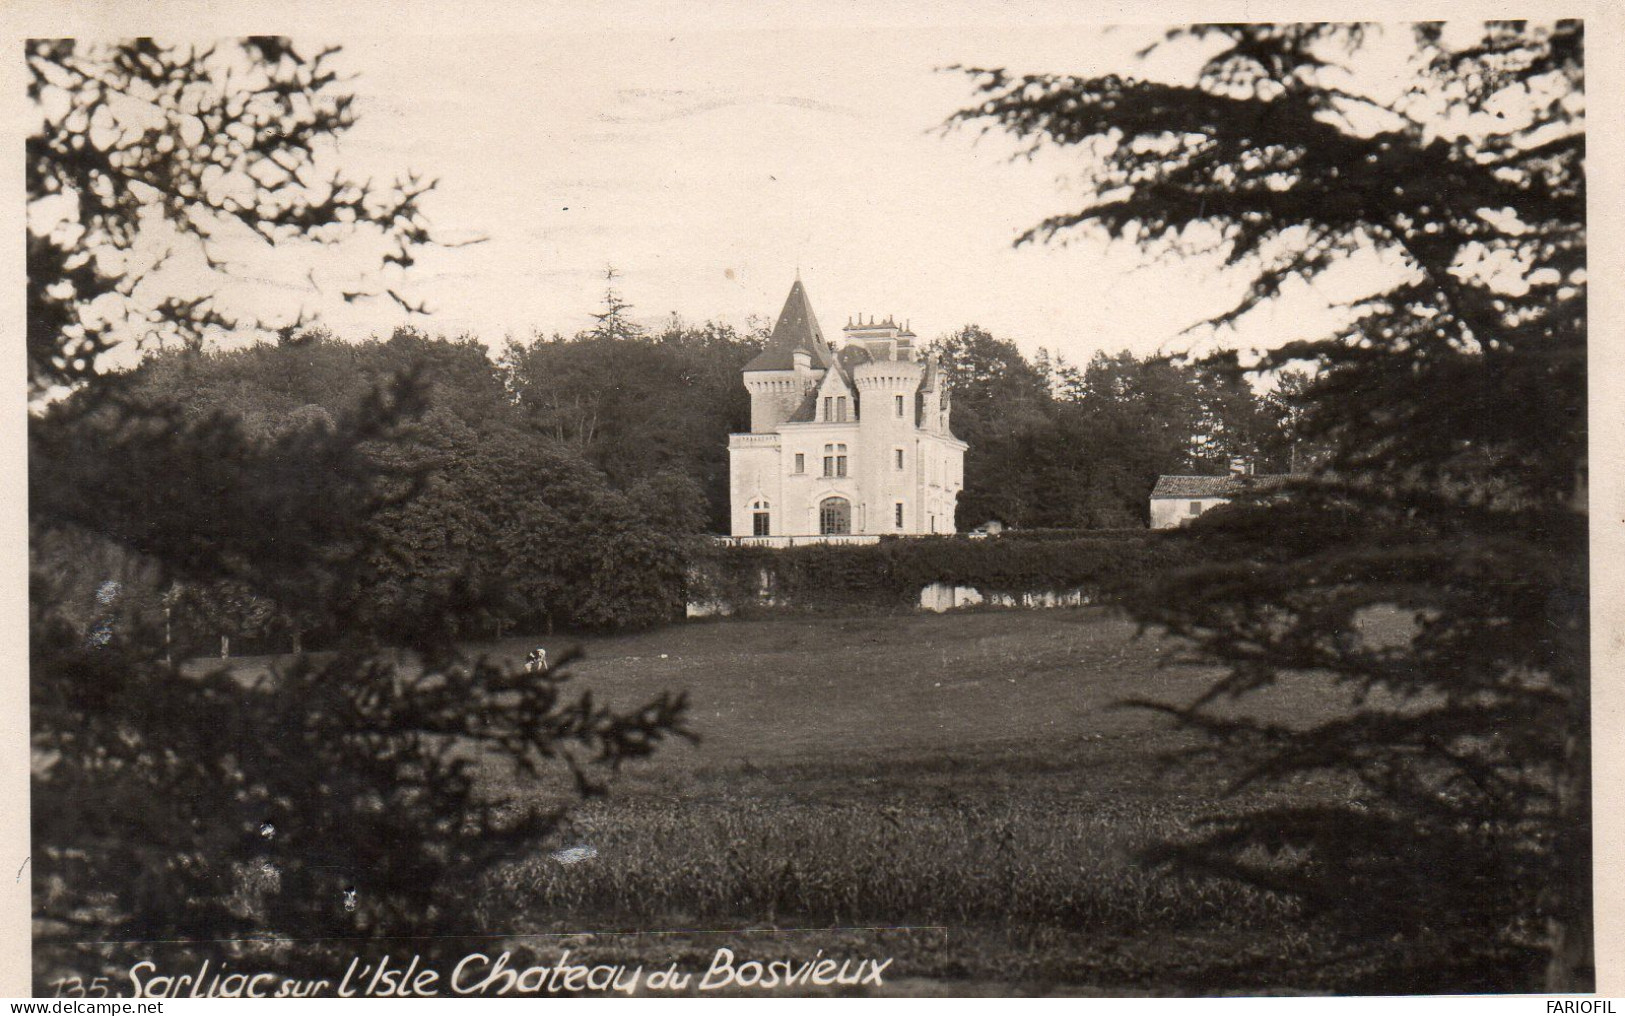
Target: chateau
{"points": [[848, 441]]}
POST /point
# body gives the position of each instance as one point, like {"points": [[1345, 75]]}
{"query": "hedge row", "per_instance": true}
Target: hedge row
{"points": [[1068, 535], [891, 573]]}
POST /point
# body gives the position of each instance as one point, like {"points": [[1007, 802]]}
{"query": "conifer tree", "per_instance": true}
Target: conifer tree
{"points": [[1435, 565], [216, 812], [613, 322]]}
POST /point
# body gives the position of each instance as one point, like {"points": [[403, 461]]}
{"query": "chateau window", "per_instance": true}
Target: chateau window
{"points": [[898, 455], [834, 516], [899, 407], [835, 460], [801, 462], [761, 524], [828, 410], [840, 409], [1196, 507], [899, 515]]}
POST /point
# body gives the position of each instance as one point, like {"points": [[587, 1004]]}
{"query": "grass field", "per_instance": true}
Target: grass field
{"points": [[961, 793]]}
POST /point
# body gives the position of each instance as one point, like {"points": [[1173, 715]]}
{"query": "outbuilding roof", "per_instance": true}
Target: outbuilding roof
{"points": [[1214, 486]]}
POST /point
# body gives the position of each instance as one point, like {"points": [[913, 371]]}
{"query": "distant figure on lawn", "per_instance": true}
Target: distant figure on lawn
{"points": [[536, 662]]}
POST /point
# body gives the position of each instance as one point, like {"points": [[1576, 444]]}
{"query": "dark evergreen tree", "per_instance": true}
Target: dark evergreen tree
{"points": [[139, 139], [1436, 566], [217, 813]]}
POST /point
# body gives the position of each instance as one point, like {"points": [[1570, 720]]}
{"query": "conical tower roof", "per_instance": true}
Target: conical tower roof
{"points": [[797, 330]]}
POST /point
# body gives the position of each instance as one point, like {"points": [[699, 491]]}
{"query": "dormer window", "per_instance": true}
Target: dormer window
{"points": [[840, 409]]}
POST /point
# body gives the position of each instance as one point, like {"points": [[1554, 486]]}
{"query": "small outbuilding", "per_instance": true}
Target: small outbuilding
{"points": [[1175, 500]]}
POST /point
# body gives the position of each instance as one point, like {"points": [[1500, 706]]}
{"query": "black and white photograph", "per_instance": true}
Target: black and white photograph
{"points": [[805, 503]]}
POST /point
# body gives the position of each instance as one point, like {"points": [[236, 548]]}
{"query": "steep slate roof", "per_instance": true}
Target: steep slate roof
{"points": [[807, 412], [1213, 486], [797, 329]]}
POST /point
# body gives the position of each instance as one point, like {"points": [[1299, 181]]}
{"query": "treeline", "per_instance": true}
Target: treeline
{"points": [[561, 484], [1054, 445], [640, 404], [557, 487]]}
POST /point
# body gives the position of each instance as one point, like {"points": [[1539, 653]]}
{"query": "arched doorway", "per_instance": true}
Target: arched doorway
{"points": [[834, 516]]}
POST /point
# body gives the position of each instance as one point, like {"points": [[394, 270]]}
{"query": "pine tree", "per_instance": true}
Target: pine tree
{"points": [[146, 153], [1435, 565], [213, 812], [613, 322]]}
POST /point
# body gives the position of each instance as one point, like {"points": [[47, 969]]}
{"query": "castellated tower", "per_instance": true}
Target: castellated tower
{"points": [[848, 441], [890, 457]]}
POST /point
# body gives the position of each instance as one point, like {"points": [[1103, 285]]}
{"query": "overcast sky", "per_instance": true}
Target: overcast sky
{"points": [[709, 166]]}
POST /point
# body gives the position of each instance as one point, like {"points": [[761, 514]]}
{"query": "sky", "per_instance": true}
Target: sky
{"points": [[711, 160], [710, 167]]}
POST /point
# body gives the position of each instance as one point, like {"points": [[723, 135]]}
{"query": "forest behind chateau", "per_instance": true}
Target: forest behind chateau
{"points": [[564, 481]]}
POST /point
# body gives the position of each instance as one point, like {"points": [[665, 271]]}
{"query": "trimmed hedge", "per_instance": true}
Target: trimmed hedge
{"points": [[890, 574], [1066, 535]]}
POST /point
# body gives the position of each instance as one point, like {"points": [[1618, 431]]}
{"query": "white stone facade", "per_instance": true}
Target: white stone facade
{"points": [[846, 439]]}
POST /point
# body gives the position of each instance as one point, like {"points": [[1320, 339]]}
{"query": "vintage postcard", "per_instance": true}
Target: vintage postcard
{"points": [[751, 502]]}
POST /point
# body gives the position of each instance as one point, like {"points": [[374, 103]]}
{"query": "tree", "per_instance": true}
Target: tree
{"points": [[1454, 410], [145, 152], [613, 321], [1002, 410], [329, 801], [638, 409], [502, 508]]}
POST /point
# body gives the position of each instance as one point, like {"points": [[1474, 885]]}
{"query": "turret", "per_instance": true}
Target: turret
{"points": [[789, 367]]}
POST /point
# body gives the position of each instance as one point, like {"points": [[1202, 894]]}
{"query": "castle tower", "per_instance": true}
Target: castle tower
{"points": [[886, 395], [796, 356]]}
